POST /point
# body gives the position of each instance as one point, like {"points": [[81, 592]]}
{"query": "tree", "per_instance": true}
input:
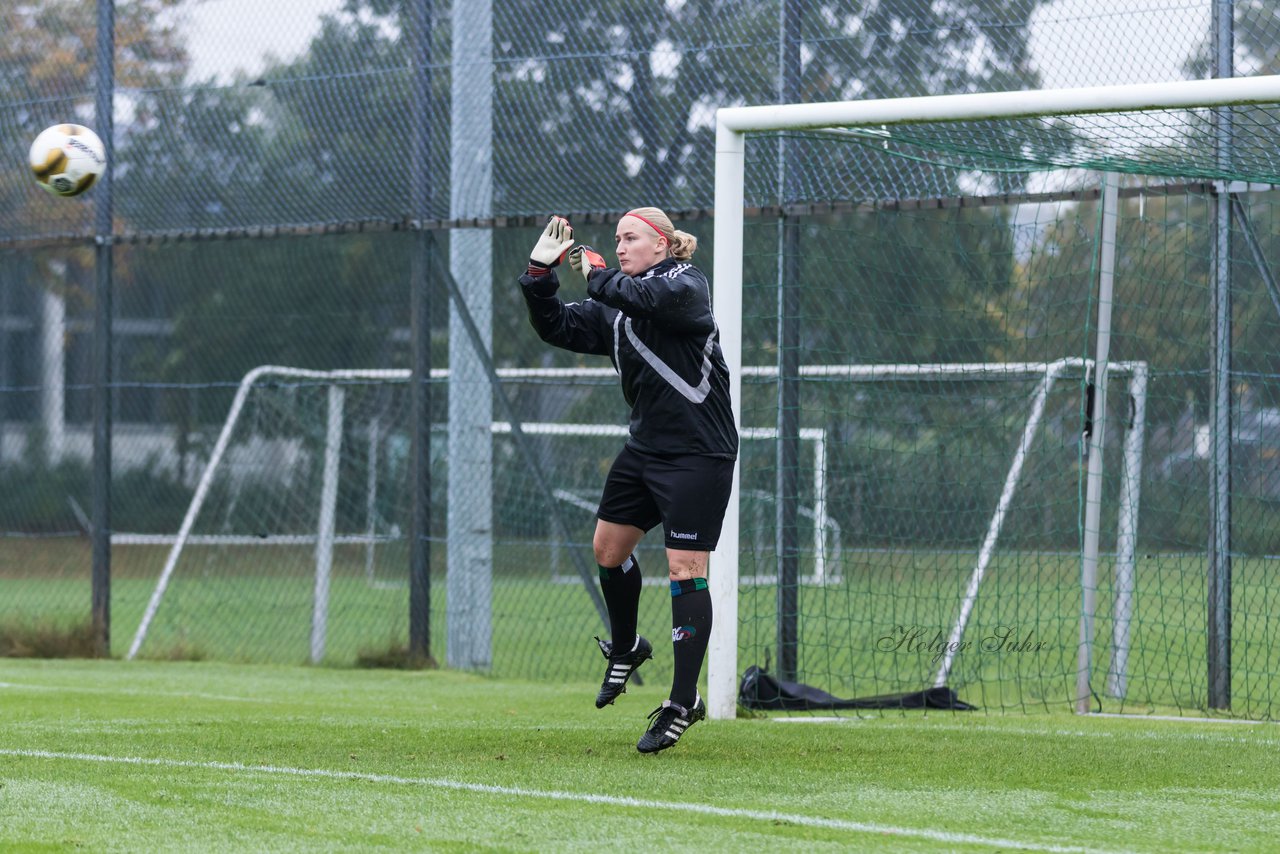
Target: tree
{"points": [[47, 60], [626, 90], [601, 107], [47, 55], [314, 141]]}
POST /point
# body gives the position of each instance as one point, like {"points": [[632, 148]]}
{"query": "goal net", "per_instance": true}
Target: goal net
{"points": [[1102, 541], [294, 546]]}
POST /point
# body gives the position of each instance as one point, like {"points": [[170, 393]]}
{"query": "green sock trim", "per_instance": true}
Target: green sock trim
{"points": [[688, 586]]}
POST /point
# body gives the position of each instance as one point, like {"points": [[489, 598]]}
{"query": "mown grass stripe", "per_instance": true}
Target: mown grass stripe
{"points": [[578, 797]]}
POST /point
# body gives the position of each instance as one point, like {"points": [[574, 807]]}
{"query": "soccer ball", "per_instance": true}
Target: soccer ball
{"points": [[67, 159]]}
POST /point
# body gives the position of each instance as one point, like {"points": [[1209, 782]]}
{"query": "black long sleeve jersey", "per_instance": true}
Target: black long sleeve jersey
{"points": [[658, 330]]}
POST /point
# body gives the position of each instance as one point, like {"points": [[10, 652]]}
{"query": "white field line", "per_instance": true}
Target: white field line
{"points": [[552, 795], [1159, 734], [1173, 719], [1164, 735], [1176, 719]]}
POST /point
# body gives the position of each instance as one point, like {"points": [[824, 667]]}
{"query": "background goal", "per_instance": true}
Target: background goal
{"points": [[294, 547]]}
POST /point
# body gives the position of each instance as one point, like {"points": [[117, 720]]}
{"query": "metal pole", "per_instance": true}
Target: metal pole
{"points": [[788, 415], [820, 520], [328, 519], [53, 363], [1127, 534], [102, 345], [469, 506], [371, 498], [420, 325], [1097, 444], [1219, 580]]}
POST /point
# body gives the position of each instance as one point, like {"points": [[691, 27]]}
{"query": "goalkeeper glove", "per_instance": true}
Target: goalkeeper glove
{"points": [[584, 259], [549, 251]]}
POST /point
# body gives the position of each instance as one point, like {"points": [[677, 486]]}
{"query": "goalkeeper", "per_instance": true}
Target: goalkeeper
{"points": [[651, 315]]}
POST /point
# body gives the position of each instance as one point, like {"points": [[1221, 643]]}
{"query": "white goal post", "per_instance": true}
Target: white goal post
{"points": [[732, 126]]}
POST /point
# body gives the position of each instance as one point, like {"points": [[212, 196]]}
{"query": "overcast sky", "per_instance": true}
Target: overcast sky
{"points": [[224, 36], [1074, 42]]}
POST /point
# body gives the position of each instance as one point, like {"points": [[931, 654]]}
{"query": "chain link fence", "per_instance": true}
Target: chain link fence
{"points": [[275, 166]]}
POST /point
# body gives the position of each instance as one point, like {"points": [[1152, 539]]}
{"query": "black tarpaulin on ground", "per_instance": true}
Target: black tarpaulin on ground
{"points": [[759, 690]]}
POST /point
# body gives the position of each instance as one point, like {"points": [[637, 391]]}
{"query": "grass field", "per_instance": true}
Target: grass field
{"points": [[171, 756], [260, 611]]}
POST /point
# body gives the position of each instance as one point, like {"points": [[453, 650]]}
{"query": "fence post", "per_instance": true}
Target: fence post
{"points": [[1221, 427], [420, 325], [104, 91]]}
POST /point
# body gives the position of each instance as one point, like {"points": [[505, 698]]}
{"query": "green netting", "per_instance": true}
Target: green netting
{"points": [[913, 328], [264, 185], [318, 127], [916, 163]]}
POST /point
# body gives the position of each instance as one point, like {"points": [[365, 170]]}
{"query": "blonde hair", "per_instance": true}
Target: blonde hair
{"points": [[682, 244]]}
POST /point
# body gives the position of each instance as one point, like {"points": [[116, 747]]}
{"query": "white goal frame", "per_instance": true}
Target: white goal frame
{"points": [[732, 126], [326, 536]]}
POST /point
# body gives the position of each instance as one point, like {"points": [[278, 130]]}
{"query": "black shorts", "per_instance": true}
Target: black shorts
{"points": [[687, 494]]}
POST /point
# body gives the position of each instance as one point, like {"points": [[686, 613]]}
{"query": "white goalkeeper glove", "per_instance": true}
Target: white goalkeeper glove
{"points": [[583, 259], [551, 247]]}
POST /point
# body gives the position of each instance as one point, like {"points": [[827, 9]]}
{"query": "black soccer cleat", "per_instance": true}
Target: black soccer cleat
{"points": [[667, 723], [620, 669]]}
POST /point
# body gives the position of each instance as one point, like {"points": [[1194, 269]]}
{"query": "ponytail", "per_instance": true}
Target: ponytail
{"points": [[683, 245]]}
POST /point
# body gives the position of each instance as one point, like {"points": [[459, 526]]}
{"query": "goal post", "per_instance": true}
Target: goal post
{"points": [[325, 532], [878, 118]]}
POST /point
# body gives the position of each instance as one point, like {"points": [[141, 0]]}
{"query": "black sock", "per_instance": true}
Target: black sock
{"points": [[690, 633], [621, 588]]}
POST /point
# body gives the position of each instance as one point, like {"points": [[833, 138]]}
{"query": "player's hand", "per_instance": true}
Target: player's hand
{"points": [[551, 247], [583, 259]]}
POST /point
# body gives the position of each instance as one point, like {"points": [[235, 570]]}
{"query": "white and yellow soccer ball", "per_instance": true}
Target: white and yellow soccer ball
{"points": [[67, 159]]}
